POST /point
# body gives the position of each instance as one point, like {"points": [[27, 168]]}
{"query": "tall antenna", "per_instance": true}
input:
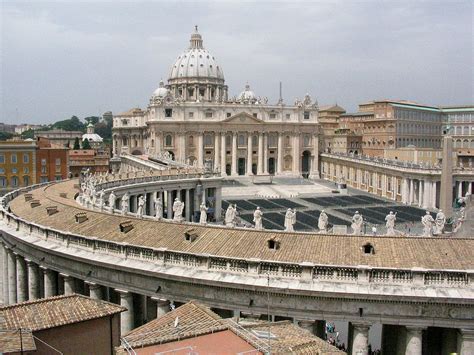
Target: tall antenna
{"points": [[280, 100]]}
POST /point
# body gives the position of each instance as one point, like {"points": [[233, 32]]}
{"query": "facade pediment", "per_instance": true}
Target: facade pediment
{"points": [[243, 118]]}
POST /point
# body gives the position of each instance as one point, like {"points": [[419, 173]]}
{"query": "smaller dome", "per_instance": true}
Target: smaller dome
{"points": [[161, 91], [247, 94]]}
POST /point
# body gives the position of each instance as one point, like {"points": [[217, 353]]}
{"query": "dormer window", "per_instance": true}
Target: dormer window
{"points": [[168, 112], [273, 244], [368, 248]]}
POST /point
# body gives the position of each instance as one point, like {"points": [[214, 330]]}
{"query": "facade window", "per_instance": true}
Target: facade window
{"points": [[208, 114], [14, 159], [191, 114], [288, 116], [168, 112], [254, 141], [168, 140], [26, 180], [191, 141], [228, 114], [255, 115], [14, 171], [272, 141], [26, 158], [44, 179], [43, 170], [58, 169], [306, 115], [58, 161], [273, 115], [207, 140], [43, 162], [241, 140], [2, 171], [2, 159], [3, 181], [14, 181]]}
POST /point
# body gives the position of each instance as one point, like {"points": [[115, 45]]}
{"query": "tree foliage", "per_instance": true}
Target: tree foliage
{"points": [[104, 128], [92, 119], [72, 124], [5, 135], [86, 144], [77, 146]]}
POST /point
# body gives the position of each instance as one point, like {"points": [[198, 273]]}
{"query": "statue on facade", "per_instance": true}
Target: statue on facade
{"points": [[178, 208], [203, 215], [112, 199], [124, 203], [427, 221], [357, 222], [440, 221], [257, 218], [158, 206], [323, 222], [101, 199], [141, 206], [307, 100], [390, 223], [290, 220], [230, 215]]}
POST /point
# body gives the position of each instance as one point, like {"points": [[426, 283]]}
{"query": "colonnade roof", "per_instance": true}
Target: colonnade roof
{"points": [[321, 249]]}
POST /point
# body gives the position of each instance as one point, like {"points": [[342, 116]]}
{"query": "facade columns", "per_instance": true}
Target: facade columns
{"points": [[412, 192], [69, 286], [95, 291], [22, 288], [11, 277], [49, 283], [200, 148], [265, 153], [459, 189], [314, 174], [260, 154], [223, 155], [360, 339], [234, 155], [466, 341], [33, 280], [249, 155], [296, 155], [426, 193], [216, 152], [187, 205], [414, 341], [169, 206], [5, 293], [218, 204], [162, 306], [280, 154], [127, 319], [405, 192], [420, 193]]}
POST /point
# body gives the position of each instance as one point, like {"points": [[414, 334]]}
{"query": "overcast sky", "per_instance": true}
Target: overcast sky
{"points": [[61, 58]]}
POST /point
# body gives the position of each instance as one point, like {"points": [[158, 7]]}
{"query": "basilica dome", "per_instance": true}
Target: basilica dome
{"points": [[196, 62], [247, 94], [161, 91]]}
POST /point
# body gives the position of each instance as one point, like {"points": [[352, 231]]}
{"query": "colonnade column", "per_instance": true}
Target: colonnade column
{"points": [[234, 155], [162, 306], [126, 318], [414, 341], [216, 152], [95, 291], [315, 163], [459, 188], [169, 206], [11, 277], [33, 280], [260, 154], [296, 155], [405, 193], [360, 339], [280, 153], [412, 192], [420, 193], [22, 289], [49, 283], [249, 154], [200, 150], [5, 294], [218, 205], [426, 193], [265, 153], [187, 206], [223, 155], [69, 286]]}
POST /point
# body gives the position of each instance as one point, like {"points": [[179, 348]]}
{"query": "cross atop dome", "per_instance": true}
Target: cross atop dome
{"points": [[196, 39]]}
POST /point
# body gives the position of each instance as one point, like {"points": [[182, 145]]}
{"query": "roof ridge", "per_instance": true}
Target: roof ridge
{"points": [[41, 300]]}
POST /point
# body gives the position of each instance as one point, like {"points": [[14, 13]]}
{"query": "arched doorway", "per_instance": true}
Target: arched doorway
{"points": [[305, 164], [241, 166], [228, 169], [254, 169], [271, 166]]}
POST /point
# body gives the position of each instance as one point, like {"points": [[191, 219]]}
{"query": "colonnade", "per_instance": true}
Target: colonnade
{"points": [[26, 280], [463, 188]]}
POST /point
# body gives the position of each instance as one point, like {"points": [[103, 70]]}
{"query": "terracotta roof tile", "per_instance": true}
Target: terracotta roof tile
{"points": [[55, 311]]}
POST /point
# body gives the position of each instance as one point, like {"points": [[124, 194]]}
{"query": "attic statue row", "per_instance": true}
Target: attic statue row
{"points": [[193, 120]]}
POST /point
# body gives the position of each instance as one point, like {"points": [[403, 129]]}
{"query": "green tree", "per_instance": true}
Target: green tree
{"points": [[92, 119], [77, 146], [86, 144], [5, 135], [72, 124], [104, 128]]}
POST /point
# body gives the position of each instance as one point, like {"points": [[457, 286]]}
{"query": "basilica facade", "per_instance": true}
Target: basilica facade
{"points": [[191, 119]]}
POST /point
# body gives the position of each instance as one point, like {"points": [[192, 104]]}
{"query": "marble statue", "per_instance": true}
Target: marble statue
{"points": [[158, 207], [257, 218], [124, 203], [203, 216], [112, 199], [390, 223], [230, 215], [141, 206], [323, 221], [427, 221], [357, 222], [101, 199], [290, 220], [440, 221], [178, 208]]}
